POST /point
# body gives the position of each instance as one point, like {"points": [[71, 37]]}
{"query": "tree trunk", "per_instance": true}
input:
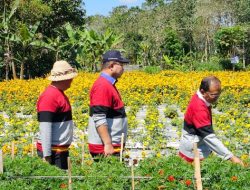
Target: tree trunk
{"points": [[13, 69], [243, 57], [6, 69], [7, 59], [22, 70], [57, 55]]}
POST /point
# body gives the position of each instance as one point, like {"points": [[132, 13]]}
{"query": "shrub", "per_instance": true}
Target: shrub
{"points": [[152, 69], [170, 112]]}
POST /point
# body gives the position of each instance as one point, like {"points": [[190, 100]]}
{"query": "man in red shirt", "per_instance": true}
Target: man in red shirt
{"points": [[107, 114], [55, 116], [198, 126]]}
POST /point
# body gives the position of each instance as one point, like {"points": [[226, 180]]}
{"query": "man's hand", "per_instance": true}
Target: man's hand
{"points": [[47, 159], [108, 149], [106, 139], [236, 160]]}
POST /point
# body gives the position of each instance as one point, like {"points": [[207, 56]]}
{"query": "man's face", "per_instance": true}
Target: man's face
{"points": [[117, 69], [67, 83], [214, 92]]}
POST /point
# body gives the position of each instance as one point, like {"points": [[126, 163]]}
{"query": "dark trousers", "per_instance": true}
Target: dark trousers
{"points": [[58, 159]]}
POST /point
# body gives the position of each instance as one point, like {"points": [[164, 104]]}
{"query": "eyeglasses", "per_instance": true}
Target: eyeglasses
{"points": [[117, 63], [213, 95]]}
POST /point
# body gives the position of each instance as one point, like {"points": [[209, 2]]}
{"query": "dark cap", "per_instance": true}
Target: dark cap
{"points": [[113, 55]]}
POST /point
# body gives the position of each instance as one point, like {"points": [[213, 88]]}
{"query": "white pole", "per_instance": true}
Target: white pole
{"points": [[1, 161]]}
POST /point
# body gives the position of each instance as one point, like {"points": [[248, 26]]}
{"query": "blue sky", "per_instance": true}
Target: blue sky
{"points": [[104, 7]]}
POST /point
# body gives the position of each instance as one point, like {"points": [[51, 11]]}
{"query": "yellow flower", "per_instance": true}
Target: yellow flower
{"points": [[158, 155], [244, 157]]}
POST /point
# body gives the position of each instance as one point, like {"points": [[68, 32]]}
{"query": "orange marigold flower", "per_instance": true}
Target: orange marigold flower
{"points": [[161, 172], [171, 178], [63, 186], [234, 178], [188, 182]]}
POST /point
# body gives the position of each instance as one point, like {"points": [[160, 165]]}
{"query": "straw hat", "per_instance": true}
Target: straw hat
{"points": [[62, 70]]}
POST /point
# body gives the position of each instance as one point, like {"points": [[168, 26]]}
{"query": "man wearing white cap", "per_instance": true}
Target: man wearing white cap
{"points": [[55, 116]]}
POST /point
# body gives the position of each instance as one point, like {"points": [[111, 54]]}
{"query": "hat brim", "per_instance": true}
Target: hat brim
{"points": [[120, 60], [62, 77], [123, 60]]}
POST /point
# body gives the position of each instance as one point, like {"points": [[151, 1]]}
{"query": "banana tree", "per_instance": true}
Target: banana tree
{"points": [[144, 53], [5, 36], [96, 44], [27, 39], [57, 46]]}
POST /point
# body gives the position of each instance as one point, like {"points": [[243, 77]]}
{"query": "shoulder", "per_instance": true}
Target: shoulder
{"points": [[197, 104], [49, 95], [102, 85]]}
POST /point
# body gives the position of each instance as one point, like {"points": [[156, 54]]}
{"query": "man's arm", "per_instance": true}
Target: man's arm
{"points": [[101, 125], [104, 134], [218, 147], [46, 138]]}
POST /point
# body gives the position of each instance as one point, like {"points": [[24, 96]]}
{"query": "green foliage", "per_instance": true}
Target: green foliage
{"points": [[160, 173], [213, 64], [62, 12], [159, 28], [226, 40], [31, 11], [132, 45], [170, 112], [172, 45], [152, 69], [177, 122], [242, 11]]}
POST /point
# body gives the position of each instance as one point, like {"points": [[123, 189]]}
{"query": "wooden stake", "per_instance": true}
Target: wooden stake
{"points": [[133, 176], [83, 152], [121, 151], [69, 174], [1, 161], [197, 168], [32, 147], [12, 150]]}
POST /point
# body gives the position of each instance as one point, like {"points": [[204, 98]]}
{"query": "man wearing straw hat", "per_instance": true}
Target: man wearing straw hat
{"points": [[55, 116], [107, 114], [198, 126]]}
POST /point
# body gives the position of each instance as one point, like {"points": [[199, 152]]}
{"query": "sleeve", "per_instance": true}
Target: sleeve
{"points": [[217, 146], [99, 119], [46, 137], [46, 108]]}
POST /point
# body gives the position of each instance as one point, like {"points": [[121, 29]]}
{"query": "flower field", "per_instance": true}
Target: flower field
{"points": [[162, 98]]}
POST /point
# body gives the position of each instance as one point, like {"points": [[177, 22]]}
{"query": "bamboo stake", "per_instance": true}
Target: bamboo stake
{"points": [[83, 151], [132, 175], [12, 150], [197, 168], [1, 161], [83, 154], [69, 174], [32, 147], [121, 151]]}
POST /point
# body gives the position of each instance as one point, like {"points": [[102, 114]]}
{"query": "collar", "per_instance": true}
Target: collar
{"points": [[202, 98], [109, 78]]}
